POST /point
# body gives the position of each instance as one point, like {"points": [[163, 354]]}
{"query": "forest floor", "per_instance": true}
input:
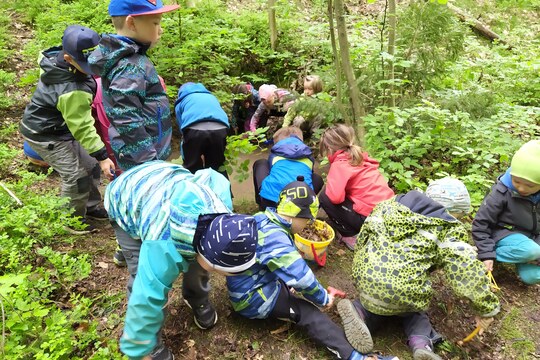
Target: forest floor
{"points": [[514, 335]]}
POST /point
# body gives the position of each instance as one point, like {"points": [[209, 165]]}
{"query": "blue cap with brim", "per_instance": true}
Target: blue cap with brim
{"points": [[78, 42], [139, 7]]}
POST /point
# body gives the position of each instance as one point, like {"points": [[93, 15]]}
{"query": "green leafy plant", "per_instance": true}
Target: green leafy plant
{"points": [[242, 144]]}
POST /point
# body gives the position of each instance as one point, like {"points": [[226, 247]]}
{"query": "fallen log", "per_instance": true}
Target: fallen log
{"points": [[478, 26]]}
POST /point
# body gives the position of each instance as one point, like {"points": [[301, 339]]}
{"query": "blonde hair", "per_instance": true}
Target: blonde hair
{"points": [[341, 137], [315, 82], [286, 132], [118, 22]]}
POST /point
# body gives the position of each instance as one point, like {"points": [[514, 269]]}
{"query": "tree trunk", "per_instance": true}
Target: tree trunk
{"points": [[272, 23], [337, 65], [354, 93], [392, 23]]}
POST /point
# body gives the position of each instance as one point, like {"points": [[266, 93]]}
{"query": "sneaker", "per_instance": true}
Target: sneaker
{"points": [[86, 228], [425, 354], [356, 330], [97, 213], [119, 258], [357, 356], [161, 353], [348, 241], [205, 316]]}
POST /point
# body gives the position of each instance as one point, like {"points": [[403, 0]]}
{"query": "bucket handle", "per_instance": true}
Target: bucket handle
{"points": [[320, 261]]}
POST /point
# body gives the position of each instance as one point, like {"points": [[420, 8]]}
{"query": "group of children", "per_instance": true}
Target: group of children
{"points": [[171, 219]]}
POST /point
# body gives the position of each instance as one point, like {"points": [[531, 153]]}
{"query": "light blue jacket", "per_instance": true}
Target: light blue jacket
{"points": [[195, 104], [289, 158], [254, 293], [159, 203]]}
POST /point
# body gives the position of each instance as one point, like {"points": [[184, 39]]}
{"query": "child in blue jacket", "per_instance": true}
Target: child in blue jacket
{"points": [[506, 228], [154, 209], [289, 158], [263, 287], [203, 125]]}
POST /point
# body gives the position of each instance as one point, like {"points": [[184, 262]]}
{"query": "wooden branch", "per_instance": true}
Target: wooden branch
{"points": [[477, 25]]}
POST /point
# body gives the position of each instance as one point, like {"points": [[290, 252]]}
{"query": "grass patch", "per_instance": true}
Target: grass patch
{"points": [[521, 346]]}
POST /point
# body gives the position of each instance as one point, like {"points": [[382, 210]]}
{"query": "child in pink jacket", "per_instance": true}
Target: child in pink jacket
{"points": [[354, 184]]}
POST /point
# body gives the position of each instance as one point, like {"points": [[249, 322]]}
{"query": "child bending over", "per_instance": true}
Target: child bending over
{"points": [[401, 241], [289, 158], [262, 287], [354, 184]]}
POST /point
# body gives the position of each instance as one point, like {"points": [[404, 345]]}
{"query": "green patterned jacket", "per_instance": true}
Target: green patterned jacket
{"points": [[401, 241]]}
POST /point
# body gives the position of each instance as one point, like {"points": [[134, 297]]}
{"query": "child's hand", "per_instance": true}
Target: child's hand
{"points": [[488, 264], [483, 323], [107, 168], [331, 299]]}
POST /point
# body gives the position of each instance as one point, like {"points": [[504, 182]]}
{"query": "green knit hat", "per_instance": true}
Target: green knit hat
{"points": [[526, 162]]}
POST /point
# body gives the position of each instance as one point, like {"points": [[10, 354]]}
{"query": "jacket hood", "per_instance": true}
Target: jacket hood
{"points": [[111, 49], [421, 204], [190, 88], [55, 70], [292, 148], [506, 180]]}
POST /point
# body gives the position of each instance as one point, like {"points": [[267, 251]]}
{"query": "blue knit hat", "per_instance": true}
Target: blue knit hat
{"points": [[228, 243]]}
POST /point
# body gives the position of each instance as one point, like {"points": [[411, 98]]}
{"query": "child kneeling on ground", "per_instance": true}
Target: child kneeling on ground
{"points": [[354, 184], [289, 158], [400, 242], [507, 225], [263, 286]]}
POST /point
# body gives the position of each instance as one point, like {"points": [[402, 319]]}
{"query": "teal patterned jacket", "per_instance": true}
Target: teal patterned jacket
{"points": [[160, 203], [134, 100], [398, 248]]}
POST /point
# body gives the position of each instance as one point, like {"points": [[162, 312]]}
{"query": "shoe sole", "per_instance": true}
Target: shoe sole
{"points": [[97, 218], [356, 330], [422, 354], [197, 323], [79, 232]]}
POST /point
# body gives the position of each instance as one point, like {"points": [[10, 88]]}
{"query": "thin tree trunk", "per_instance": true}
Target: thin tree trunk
{"points": [[272, 23], [354, 93], [392, 23], [337, 64]]}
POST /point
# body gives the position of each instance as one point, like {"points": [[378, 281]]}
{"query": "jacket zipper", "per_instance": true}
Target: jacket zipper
{"points": [[535, 222], [159, 123]]}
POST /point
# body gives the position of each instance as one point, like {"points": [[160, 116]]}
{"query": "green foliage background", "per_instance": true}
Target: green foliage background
{"points": [[464, 105]]}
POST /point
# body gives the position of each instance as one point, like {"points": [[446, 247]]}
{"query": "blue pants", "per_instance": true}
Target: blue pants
{"points": [[520, 250]]}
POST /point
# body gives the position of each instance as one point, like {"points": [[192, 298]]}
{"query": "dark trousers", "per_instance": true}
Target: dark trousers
{"points": [[261, 169], [416, 326], [203, 149], [195, 283], [318, 326], [346, 221]]}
